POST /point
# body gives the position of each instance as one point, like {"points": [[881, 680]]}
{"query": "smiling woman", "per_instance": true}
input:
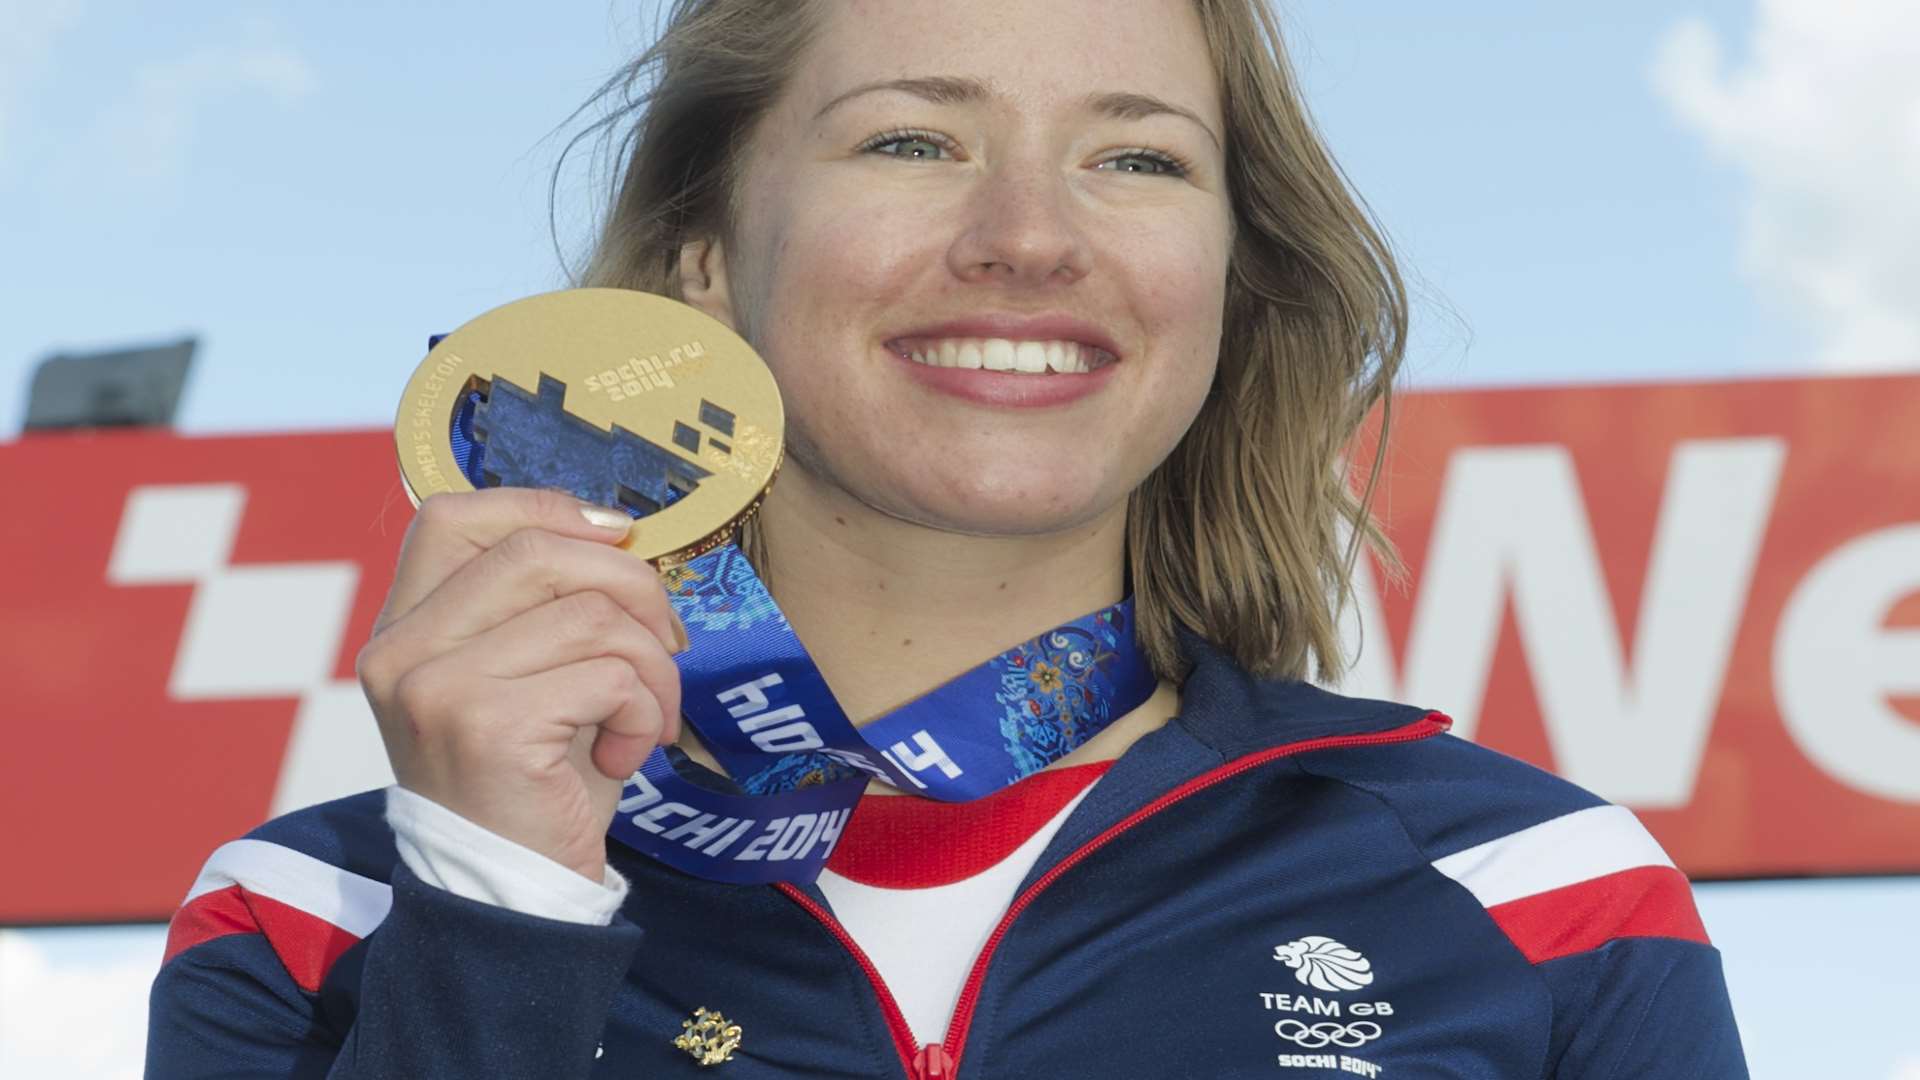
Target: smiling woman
{"points": [[1080, 140], [1071, 313]]}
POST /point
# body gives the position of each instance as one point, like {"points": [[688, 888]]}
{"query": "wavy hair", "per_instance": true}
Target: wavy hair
{"points": [[1249, 531]]}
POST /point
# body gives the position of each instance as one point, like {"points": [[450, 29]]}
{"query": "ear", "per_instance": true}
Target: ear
{"points": [[703, 278]]}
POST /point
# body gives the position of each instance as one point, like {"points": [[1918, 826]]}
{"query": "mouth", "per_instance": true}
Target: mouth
{"points": [[1013, 356]]}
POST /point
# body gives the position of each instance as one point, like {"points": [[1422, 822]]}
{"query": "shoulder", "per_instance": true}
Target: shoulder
{"points": [[1559, 869], [1454, 796], [311, 884]]}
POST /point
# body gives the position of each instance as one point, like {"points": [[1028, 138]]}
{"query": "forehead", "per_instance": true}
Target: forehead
{"points": [[1037, 54]]}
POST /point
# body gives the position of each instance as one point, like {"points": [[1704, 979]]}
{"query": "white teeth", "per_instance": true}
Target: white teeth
{"points": [[1067, 357], [1002, 354]]}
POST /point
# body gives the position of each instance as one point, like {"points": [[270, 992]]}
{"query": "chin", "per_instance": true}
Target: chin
{"points": [[986, 509], [1015, 495]]}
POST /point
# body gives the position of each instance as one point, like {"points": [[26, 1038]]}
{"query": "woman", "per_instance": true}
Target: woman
{"points": [[908, 206]]}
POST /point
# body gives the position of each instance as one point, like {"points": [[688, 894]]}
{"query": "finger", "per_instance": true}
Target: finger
{"points": [[601, 695], [452, 529], [573, 628], [530, 568], [616, 755]]}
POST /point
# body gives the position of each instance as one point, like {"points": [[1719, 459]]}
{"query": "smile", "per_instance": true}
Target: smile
{"points": [[1003, 354]]}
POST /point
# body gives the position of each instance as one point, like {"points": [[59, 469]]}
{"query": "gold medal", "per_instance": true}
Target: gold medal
{"points": [[622, 398]]}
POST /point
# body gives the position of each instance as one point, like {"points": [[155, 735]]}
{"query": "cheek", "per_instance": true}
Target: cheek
{"points": [[827, 266], [1177, 277], [825, 277], [1177, 270]]}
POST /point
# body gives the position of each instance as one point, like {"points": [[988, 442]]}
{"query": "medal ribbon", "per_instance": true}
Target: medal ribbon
{"points": [[764, 710]]}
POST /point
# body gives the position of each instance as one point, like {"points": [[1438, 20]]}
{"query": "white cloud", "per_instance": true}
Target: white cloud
{"points": [[1822, 113], [150, 130], [72, 1012], [1907, 1068], [29, 30]]}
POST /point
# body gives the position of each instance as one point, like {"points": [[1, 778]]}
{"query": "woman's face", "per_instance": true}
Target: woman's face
{"points": [[946, 189]]}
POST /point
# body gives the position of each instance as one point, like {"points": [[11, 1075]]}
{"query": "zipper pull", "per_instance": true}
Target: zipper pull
{"points": [[933, 1063]]}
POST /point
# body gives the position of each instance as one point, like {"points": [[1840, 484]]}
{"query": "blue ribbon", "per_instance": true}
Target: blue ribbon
{"points": [[764, 710]]}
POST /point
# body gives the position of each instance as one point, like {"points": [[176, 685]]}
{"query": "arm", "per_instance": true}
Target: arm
{"points": [[519, 673], [447, 987], [1643, 1008]]}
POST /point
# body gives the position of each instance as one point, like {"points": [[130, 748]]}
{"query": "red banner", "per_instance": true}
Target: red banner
{"points": [[1702, 601]]}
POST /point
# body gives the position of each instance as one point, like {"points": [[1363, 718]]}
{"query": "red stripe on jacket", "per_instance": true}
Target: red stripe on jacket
{"points": [[307, 945], [1648, 901]]}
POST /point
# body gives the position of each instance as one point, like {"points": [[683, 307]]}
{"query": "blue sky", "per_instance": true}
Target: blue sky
{"points": [[312, 191], [1582, 193], [1557, 220]]}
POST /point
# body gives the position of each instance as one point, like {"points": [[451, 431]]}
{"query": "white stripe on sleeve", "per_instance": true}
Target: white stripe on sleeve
{"points": [[1566, 850], [349, 901]]}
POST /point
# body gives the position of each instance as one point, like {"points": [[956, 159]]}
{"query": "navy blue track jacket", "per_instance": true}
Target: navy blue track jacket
{"points": [[1279, 883]]}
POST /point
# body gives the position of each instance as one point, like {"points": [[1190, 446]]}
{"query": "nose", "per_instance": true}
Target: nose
{"points": [[1021, 229]]}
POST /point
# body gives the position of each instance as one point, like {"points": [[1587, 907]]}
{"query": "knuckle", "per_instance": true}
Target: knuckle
{"points": [[439, 510], [417, 694], [623, 680], [607, 683], [369, 664], [530, 549], [593, 615]]}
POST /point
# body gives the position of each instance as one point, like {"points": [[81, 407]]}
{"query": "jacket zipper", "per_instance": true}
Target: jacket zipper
{"points": [[896, 1020], [936, 1061]]}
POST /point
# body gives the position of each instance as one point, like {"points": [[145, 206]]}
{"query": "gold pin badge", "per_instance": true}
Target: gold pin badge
{"points": [[623, 398], [709, 1038]]}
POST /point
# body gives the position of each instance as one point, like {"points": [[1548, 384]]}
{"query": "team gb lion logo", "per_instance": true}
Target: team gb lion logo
{"points": [[1325, 964]]}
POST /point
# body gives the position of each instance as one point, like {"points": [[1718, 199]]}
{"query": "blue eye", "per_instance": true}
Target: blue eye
{"points": [[916, 145], [1147, 162]]}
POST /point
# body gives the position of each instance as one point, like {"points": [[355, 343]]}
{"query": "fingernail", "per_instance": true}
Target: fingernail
{"points": [[607, 518], [680, 631]]}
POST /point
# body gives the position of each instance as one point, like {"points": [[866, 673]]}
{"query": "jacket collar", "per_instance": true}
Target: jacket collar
{"points": [[1225, 714], [1235, 713]]}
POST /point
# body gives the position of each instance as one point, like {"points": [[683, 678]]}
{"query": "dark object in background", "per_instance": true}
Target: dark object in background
{"points": [[137, 387]]}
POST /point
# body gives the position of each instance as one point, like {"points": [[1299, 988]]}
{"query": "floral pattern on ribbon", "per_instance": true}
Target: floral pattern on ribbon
{"points": [[789, 772], [1051, 693], [719, 593]]}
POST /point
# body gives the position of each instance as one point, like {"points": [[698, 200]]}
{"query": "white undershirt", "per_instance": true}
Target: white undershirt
{"points": [[924, 941]]}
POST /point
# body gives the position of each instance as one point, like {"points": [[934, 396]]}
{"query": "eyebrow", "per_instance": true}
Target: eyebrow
{"points": [[955, 90], [1125, 105]]}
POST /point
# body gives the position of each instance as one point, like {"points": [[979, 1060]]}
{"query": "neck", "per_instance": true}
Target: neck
{"points": [[890, 609]]}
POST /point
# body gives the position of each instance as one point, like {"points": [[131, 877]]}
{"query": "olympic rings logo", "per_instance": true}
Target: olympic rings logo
{"points": [[1348, 1036]]}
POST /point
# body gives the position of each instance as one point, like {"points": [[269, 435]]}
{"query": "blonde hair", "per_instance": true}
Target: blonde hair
{"points": [[1248, 533]]}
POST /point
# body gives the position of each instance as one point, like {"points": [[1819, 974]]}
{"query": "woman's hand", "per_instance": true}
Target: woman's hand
{"points": [[522, 668]]}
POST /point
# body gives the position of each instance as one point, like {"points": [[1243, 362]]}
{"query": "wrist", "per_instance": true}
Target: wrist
{"points": [[450, 851]]}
